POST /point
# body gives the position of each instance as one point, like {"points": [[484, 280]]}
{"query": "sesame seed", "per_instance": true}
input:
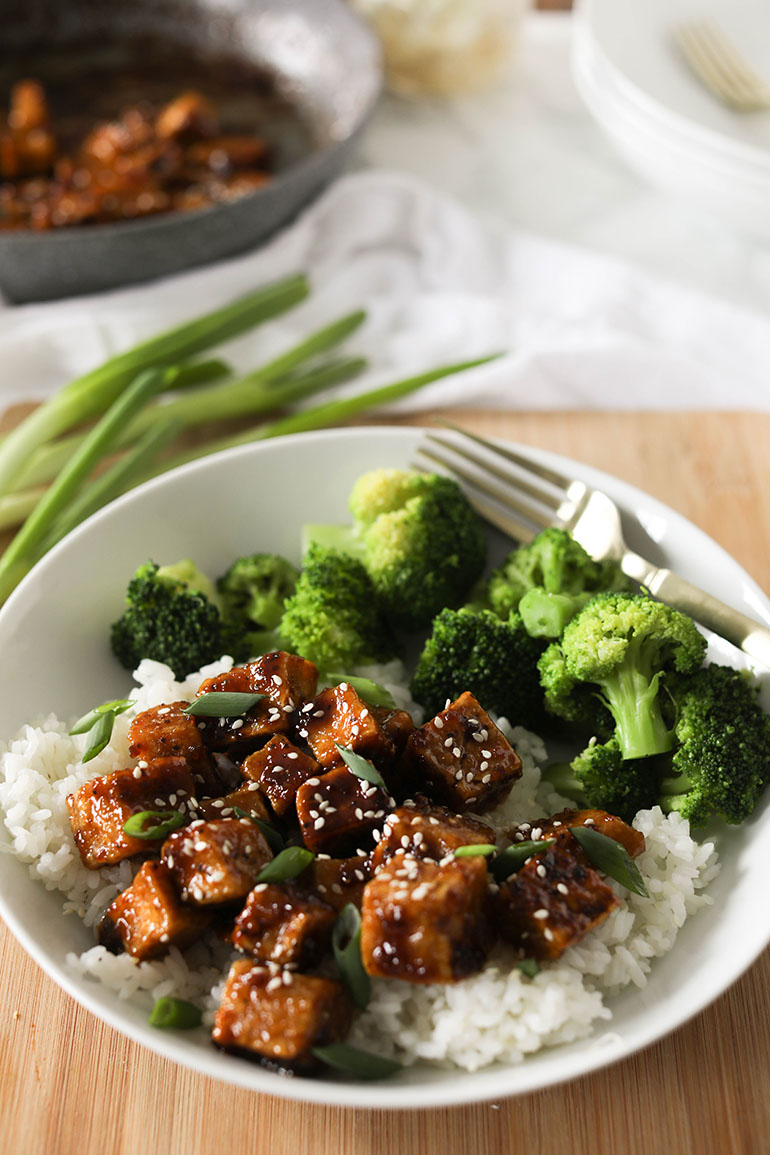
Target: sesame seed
{"points": [[562, 889], [448, 742], [237, 723], [364, 714], [541, 870], [486, 778], [484, 765], [277, 680], [312, 781], [136, 773], [457, 752], [142, 764], [318, 713], [486, 753], [548, 933], [438, 723], [343, 686], [542, 913], [589, 822], [164, 937], [319, 822], [293, 754]]}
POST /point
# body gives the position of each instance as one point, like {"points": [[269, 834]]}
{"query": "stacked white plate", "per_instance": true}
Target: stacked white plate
{"points": [[634, 80]]}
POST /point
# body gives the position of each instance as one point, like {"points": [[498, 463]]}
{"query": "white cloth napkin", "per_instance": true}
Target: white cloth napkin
{"points": [[578, 330]]}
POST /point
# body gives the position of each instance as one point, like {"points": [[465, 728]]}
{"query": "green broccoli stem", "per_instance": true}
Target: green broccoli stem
{"points": [[631, 695], [24, 549], [93, 393], [546, 614], [561, 776]]}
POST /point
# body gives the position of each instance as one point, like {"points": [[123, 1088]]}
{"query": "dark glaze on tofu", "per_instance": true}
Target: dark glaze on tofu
{"points": [[427, 831], [286, 682], [149, 917], [338, 810], [553, 901], [216, 862], [279, 769], [278, 1016], [99, 809], [462, 759], [427, 916], [425, 922], [339, 715], [282, 924], [166, 731]]}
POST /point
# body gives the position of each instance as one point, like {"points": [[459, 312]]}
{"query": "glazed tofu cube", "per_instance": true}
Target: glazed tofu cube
{"points": [[278, 1017], [397, 724], [286, 680], [552, 902], [247, 798], [339, 881], [280, 768], [148, 917], [607, 824], [426, 831], [281, 924], [462, 759], [216, 862], [338, 714], [424, 922], [166, 731], [339, 810], [99, 809]]}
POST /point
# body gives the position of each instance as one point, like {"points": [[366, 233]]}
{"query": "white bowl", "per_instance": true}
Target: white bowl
{"points": [[54, 641]]}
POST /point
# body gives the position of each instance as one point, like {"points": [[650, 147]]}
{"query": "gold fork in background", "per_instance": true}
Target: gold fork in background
{"points": [[720, 66]]}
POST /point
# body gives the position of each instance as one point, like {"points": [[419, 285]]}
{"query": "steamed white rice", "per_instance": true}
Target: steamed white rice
{"points": [[498, 1015]]}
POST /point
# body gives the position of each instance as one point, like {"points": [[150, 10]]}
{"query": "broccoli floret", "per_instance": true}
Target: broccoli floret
{"points": [[422, 543], [496, 661], [333, 617], [722, 761], [600, 778], [562, 573], [169, 619], [621, 646], [254, 589]]}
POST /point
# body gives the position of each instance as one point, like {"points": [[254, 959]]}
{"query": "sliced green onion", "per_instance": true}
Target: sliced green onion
{"points": [[118, 706], [508, 861], [528, 967], [99, 735], [473, 849], [611, 858], [222, 704], [271, 835], [346, 944], [372, 692], [352, 1061], [287, 865], [361, 767], [163, 822], [171, 1014]]}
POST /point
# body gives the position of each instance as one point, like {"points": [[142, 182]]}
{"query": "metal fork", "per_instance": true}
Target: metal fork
{"points": [[720, 67], [527, 497]]}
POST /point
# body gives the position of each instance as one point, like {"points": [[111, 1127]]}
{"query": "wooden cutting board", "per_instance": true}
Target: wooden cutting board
{"points": [[71, 1086]]}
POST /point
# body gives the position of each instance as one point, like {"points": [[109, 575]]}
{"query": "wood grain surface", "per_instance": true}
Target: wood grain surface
{"points": [[71, 1086]]}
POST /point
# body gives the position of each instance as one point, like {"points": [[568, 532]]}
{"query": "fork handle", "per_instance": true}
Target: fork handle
{"points": [[738, 628]]}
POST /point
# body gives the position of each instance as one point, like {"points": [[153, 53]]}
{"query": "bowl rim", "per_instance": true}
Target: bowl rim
{"points": [[459, 1086]]}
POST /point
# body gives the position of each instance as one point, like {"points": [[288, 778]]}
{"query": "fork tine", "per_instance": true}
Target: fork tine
{"points": [[490, 461], [719, 65], [506, 506], [558, 480]]}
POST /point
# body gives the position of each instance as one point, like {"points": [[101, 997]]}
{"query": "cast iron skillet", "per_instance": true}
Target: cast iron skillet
{"points": [[325, 65]]}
